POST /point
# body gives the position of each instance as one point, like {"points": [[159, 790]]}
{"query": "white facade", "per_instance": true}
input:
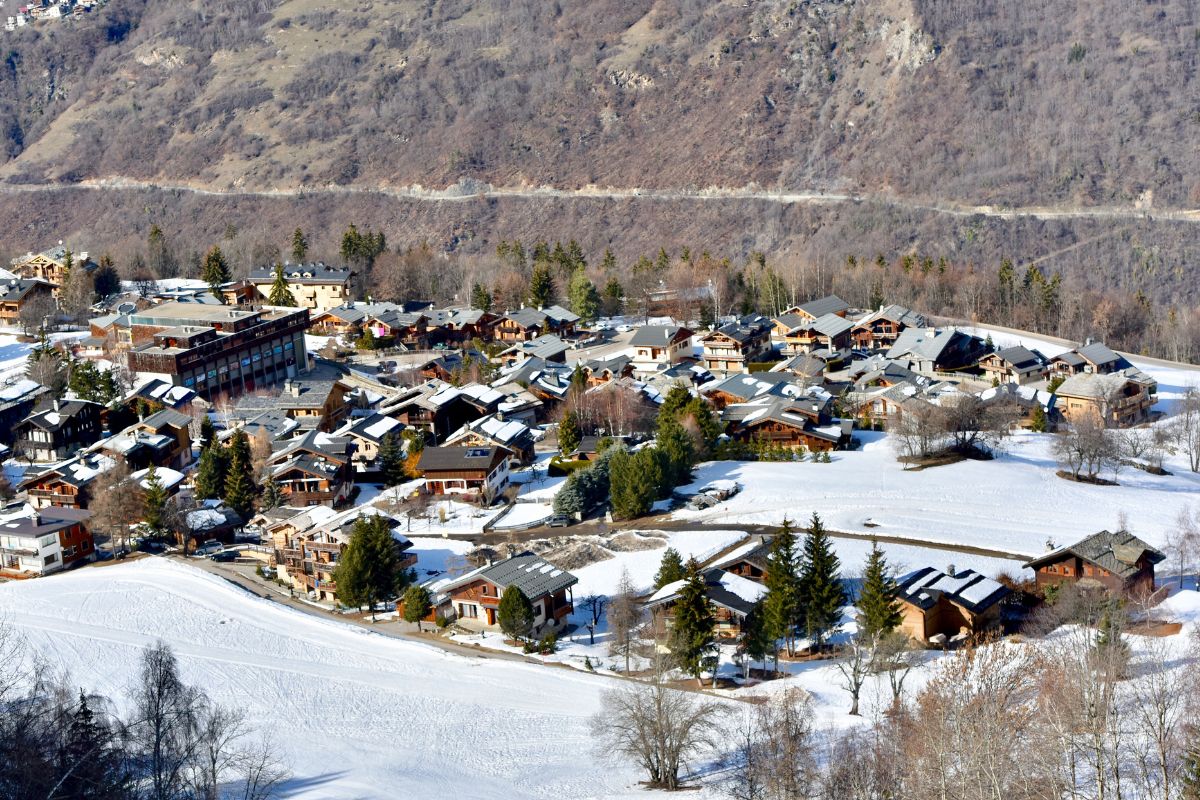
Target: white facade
{"points": [[38, 555]]}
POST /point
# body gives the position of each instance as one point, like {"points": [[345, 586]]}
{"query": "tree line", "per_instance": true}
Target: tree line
{"points": [[172, 743]]}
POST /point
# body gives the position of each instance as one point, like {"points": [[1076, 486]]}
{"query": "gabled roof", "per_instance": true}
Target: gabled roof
{"points": [[15, 290], [966, 588], [559, 315], [658, 335], [546, 346], [831, 325], [52, 419], [1021, 359], [1101, 385], [532, 574], [1099, 354], [374, 427], [303, 273], [167, 417], [1116, 552], [440, 459], [901, 315], [506, 433], [526, 317], [29, 523], [831, 304], [724, 589]]}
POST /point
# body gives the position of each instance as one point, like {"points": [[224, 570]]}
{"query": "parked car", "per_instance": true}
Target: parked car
{"points": [[209, 547], [559, 521], [225, 555]]}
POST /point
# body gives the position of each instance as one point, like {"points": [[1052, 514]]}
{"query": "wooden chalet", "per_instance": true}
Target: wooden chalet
{"points": [[792, 423], [494, 430], [1117, 399], [440, 409], [472, 600], [52, 266], [937, 606], [65, 485], [881, 328], [731, 597], [814, 309], [58, 429], [827, 332], [17, 293], [657, 347], [479, 471], [1014, 365], [1093, 358], [1120, 563], [314, 470], [734, 347]]}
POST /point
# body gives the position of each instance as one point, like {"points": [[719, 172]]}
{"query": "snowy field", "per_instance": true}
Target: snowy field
{"points": [[1013, 503], [357, 715]]}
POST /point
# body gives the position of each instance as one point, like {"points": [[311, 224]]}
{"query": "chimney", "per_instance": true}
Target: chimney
{"points": [[56, 404], [950, 570]]}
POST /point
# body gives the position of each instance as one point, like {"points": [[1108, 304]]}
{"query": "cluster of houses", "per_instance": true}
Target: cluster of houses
{"points": [[800, 381], [43, 10]]}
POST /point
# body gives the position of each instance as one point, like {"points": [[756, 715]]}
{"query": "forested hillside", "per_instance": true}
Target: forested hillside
{"points": [[910, 104]]}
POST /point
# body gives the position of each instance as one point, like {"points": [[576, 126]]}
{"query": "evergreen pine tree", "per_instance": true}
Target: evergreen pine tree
{"points": [[1190, 771], [678, 398], [210, 474], [1110, 648], [820, 585], [91, 766], [614, 298], [633, 482], [391, 460], [670, 569], [515, 613], [570, 500], [879, 611], [417, 603], [208, 433], [299, 246], [481, 298], [781, 604], [272, 495], [239, 480], [1037, 419], [693, 629], [678, 452], [569, 434], [541, 286], [154, 500], [583, 297], [280, 294], [368, 569], [755, 643], [215, 271]]}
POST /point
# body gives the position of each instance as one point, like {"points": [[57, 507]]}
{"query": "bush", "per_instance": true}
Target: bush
{"points": [[548, 644], [564, 466], [442, 622], [530, 647]]}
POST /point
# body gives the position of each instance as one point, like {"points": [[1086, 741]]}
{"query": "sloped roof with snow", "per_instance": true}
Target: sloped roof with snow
{"points": [[724, 589], [1116, 552], [966, 588], [532, 574]]}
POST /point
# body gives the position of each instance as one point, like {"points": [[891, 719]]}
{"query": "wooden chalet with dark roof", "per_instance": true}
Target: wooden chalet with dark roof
{"points": [[315, 470], [881, 328], [479, 470], [473, 599], [1120, 563], [937, 605], [734, 347], [59, 429]]}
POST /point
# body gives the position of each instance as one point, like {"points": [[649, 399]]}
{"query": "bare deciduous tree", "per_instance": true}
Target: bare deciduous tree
{"points": [[625, 616], [1088, 450], [658, 727]]}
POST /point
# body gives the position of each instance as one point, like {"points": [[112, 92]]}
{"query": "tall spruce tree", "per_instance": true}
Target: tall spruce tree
{"points": [[678, 452], [368, 569], [280, 294], [541, 286], [208, 433], [633, 482], [515, 613], [239, 479], [781, 604], [215, 271], [299, 246], [693, 630], [391, 460], [91, 765], [481, 298], [210, 474], [569, 433], [821, 591], [272, 495], [878, 608], [755, 643], [584, 299], [154, 500], [670, 569]]}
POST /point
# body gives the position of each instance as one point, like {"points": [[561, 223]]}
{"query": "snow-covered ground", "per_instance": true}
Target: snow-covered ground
{"points": [[1173, 381], [14, 354], [357, 715], [1014, 503]]}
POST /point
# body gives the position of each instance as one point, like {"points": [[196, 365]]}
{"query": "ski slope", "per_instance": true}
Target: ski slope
{"points": [[355, 714], [1014, 503]]}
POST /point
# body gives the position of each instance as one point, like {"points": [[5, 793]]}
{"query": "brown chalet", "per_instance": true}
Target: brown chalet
{"points": [[940, 606], [481, 471], [473, 599], [731, 596], [1119, 562], [315, 470], [734, 347], [16, 294], [790, 422], [881, 328], [52, 266]]}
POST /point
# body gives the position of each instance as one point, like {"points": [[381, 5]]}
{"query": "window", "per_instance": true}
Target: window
{"points": [[51, 558]]}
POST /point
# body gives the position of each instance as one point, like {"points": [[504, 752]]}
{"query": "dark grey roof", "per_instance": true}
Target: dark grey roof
{"points": [[560, 315], [831, 325], [1116, 552], [831, 304], [1021, 358], [43, 521], [1099, 354], [527, 317], [165, 417], [656, 335], [966, 588], [49, 418], [303, 273], [443, 458], [15, 289], [532, 574]]}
